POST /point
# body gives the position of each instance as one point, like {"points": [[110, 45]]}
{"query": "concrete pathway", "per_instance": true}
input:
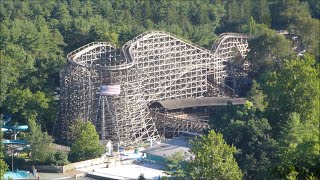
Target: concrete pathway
{"points": [[132, 171], [61, 176]]}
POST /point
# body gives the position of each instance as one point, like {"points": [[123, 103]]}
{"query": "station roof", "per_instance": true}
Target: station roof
{"points": [[170, 147], [197, 102]]}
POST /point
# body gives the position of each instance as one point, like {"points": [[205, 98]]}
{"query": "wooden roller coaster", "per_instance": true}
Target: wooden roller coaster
{"points": [[152, 67]]}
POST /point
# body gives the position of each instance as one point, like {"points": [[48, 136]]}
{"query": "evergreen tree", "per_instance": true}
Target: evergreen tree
{"points": [[261, 12], [298, 151], [213, 159], [40, 143], [176, 165], [256, 96], [314, 7]]}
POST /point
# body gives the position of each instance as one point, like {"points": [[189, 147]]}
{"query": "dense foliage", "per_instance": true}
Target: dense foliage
{"points": [[36, 35], [176, 165], [3, 165], [86, 145], [40, 143], [276, 132], [212, 158], [250, 133]]}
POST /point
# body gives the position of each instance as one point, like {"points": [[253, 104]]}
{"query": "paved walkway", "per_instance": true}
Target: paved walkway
{"points": [[132, 171], [61, 176]]}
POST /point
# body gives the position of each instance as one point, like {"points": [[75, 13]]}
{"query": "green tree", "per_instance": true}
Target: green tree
{"points": [[86, 145], [30, 61], [264, 55], [298, 151], [245, 128], [251, 27], [22, 105], [284, 13], [256, 96], [3, 165], [57, 158], [295, 16], [40, 143], [74, 130], [314, 7], [237, 13], [176, 165], [252, 138], [294, 88], [309, 33], [213, 159], [261, 11]]}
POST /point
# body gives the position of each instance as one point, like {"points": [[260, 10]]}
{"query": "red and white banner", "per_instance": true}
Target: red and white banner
{"points": [[106, 90]]}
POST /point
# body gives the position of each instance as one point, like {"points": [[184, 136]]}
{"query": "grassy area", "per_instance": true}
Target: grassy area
{"points": [[24, 156]]}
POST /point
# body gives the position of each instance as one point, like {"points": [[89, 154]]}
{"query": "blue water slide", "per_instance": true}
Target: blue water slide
{"points": [[17, 142], [14, 128], [5, 130]]}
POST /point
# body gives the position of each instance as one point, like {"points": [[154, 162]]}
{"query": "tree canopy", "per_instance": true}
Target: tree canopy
{"points": [[298, 82], [298, 150], [213, 159], [276, 132], [40, 143], [36, 38], [3, 165], [86, 145], [277, 135], [176, 165]]}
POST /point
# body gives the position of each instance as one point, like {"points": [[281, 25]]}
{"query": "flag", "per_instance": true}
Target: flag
{"points": [[106, 90]]}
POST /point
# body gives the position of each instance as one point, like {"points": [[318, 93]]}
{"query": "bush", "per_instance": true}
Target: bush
{"points": [[50, 160], [61, 158], [58, 159]]}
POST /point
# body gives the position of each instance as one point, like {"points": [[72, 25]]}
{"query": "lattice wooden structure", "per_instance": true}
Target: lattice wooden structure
{"points": [[170, 124], [151, 67]]}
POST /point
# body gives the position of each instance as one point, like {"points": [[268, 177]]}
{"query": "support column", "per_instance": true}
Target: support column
{"points": [[103, 129]]}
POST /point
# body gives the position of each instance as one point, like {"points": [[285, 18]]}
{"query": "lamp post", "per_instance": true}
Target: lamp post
{"points": [[164, 129], [12, 153], [165, 118]]}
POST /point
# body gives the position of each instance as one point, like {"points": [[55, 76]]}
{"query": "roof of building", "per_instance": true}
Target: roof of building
{"points": [[170, 147], [197, 102]]}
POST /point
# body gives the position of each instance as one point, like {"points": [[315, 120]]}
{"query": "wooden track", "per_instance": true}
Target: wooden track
{"points": [[151, 67]]}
